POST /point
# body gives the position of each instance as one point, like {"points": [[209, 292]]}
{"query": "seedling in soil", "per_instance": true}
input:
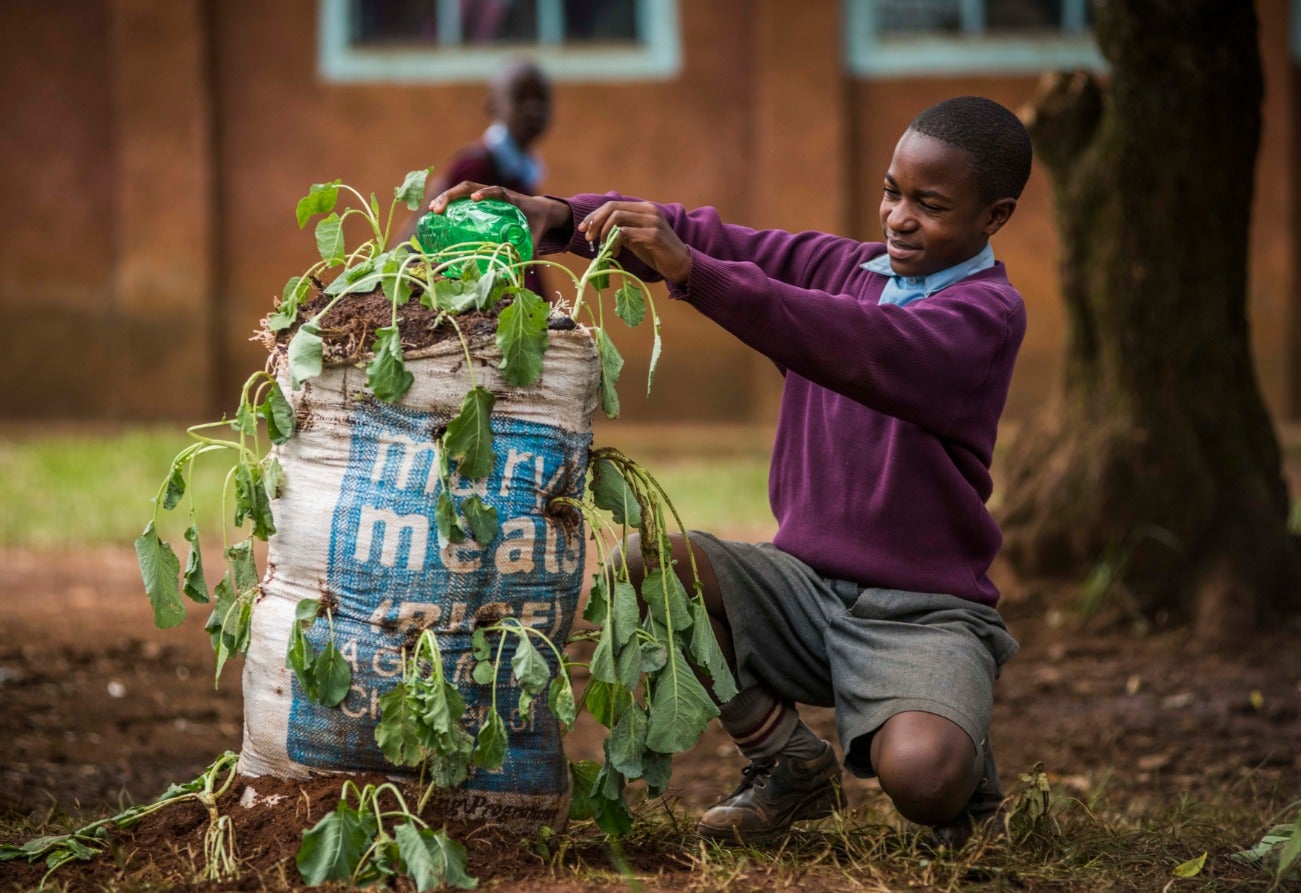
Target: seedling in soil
{"points": [[353, 844], [220, 862]]}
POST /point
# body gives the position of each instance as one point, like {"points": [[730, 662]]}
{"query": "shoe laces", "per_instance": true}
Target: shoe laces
{"points": [[756, 774]]}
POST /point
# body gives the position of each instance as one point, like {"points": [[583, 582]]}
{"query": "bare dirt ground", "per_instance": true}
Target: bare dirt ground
{"points": [[103, 709]]}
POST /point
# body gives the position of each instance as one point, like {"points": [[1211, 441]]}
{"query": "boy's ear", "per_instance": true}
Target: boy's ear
{"points": [[1000, 212]]}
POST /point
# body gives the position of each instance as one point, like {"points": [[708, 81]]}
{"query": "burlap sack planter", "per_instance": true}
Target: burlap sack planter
{"points": [[355, 524]]}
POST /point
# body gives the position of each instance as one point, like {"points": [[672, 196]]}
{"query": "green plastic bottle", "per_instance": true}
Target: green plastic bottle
{"points": [[465, 220]]}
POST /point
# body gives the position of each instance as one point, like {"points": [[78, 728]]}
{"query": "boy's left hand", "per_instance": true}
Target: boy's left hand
{"points": [[645, 232]]}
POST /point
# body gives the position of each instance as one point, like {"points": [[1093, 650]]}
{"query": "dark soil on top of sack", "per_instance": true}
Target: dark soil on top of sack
{"points": [[348, 329]]}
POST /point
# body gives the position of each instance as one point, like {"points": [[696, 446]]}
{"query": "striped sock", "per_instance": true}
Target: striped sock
{"points": [[758, 722]]}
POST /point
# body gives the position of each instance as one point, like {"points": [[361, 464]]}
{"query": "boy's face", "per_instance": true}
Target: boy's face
{"points": [[931, 211]]}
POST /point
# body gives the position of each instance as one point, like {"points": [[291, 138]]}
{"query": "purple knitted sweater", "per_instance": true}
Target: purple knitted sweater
{"points": [[880, 467]]}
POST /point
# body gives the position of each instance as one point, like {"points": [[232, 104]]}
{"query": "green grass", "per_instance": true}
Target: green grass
{"points": [[93, 488], [85, 488]]}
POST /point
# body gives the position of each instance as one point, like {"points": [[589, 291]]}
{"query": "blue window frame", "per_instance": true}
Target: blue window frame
{"points": [[910, 38], [469, 40]]}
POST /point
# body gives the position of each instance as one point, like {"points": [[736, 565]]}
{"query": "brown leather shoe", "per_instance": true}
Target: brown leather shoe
{"points": [[773, 793], [983, 811]]}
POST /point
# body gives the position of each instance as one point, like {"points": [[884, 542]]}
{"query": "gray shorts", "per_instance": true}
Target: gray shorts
{"points": [[869, 653]]}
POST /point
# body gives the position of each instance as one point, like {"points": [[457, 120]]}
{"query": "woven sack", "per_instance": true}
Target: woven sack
{"points": [[355, 524]]}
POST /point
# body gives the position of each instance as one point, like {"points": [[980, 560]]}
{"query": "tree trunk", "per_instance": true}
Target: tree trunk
{"points": [[1158, 455]]}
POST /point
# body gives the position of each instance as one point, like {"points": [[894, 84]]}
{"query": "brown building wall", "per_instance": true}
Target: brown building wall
{"points": [[155, 151]]}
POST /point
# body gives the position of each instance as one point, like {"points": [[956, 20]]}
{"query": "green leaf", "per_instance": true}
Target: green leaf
{"points": [[332, 675], [397, 732], [611, 366], [252, 501], [274, 477], [657, 769], [630, 303], [292, 297], [356, 280], [484, 672], [329, 240], [602, 667], [469, 436], [1191, 868], [482, 519], [196, 587], [387, 374], [449, 528], [175, 486], [449, 294], [245, 422], [666, 598], [612, 815], [159, 568], [278, 413], [627, 665], [305, 354], [582, 781], [654, 654], [412, 191], [479, 646], [610, 491], [522, 337], [397, 288], [627, 612], [320, 199], [529, 666], [300, 658], [560, 699], [432, 859], [488, 289], [606, 701], [598, 601], [708, 656], [1291, 849], [490, 748], [333, 848], [628, 741], [243, 564], [680, 708]]}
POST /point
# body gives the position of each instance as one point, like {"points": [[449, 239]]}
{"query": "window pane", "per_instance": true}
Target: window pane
{"points": [[499, 21], [1022, 15], [603, 21], [395, 21], [919, 16]]}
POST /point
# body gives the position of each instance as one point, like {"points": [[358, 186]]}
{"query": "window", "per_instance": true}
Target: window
{"points": [[449, 40], [918, 37]]}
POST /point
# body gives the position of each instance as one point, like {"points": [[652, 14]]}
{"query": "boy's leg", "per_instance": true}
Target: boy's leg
{"points": [[793, 774]]}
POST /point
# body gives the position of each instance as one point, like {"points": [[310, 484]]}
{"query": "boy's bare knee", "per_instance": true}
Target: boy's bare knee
{"points": [[925, 769]]}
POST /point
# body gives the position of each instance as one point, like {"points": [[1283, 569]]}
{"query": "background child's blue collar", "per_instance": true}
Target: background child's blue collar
{"points": [[903, 290], [512, 161]]}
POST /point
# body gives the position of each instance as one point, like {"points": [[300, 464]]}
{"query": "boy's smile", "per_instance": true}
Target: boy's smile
{"points": [[932, 214]]}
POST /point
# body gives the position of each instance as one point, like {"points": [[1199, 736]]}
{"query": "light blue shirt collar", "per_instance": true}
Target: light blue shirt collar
{"points": [[901, 290], [512, 161]]}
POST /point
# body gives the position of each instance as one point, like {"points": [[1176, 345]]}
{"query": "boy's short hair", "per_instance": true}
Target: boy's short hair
{"points": [[996, 140]]}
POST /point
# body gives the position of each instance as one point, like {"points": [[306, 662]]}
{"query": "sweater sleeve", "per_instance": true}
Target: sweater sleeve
{"points": [[928, 363], [786, 257]]}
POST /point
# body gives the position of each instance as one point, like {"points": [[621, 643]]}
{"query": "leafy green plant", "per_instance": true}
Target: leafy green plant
{"points": [[353, 843], [83, 844], [325, 677]]}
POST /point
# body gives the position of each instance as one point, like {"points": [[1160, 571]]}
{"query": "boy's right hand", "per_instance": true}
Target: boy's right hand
{"points": [[543, 214]]}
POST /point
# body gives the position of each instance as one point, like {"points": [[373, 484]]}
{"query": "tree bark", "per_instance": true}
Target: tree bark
{"points": [[1158, 454]]}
